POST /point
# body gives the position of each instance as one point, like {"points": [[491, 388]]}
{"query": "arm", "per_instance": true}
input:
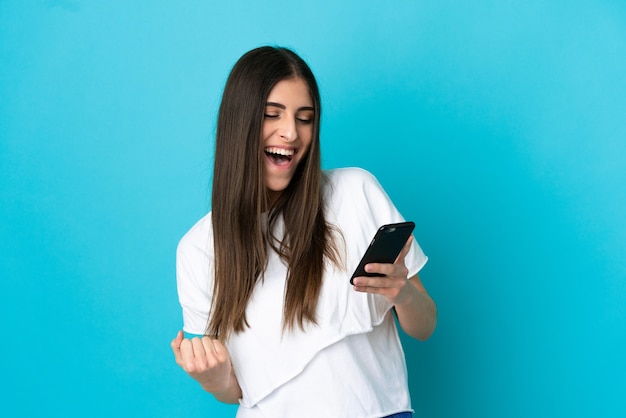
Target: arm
{"points": [[208, 362], [417, 312]]}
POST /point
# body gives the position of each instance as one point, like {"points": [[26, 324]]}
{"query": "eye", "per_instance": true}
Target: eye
{"points": [[305, 121], [270, 116], [305, 118]]}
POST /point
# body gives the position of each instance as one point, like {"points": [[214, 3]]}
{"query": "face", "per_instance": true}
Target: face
{"points": [[287, 132]]}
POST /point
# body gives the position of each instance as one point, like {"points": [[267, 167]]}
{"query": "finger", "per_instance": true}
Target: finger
{"points": [[186, 352], [372, 282], [394, 276], [198, 347], [207, 343], [220, 350], [175, 344], [382, 268], [369, 289], [204, 351]]}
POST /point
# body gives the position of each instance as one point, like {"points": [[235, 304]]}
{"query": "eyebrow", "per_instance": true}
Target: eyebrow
{"points": [[282, 106]]}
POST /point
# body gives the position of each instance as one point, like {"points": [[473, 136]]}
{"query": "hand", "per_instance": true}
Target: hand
{"points": [[394, 285], [207, 361]]}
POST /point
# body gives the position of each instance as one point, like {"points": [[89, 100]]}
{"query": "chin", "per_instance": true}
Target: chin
{"points": [[276, 189]]}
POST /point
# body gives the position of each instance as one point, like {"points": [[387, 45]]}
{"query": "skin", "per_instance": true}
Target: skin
{"points": [[207, 361], [287, 126], [417, 312]]}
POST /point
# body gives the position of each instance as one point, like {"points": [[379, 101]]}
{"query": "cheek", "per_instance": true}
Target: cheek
{"points": [[306, 137], [306, 149], [265, 132]]}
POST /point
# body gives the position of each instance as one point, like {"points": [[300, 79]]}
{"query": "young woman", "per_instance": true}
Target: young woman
{"points": [[264, 277]]}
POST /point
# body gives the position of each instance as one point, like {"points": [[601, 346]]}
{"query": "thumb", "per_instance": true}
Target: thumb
{"points": [[176, 341], [175, 344]]}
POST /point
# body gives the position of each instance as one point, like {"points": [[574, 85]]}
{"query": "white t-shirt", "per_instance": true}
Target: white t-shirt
{"points": [[351, 363]]}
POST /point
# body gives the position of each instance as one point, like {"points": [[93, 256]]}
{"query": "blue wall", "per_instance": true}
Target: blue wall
{"points": [[497, 126]]}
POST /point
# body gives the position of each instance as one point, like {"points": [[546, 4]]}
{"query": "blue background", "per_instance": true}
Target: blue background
{"points": [[498, 126]]}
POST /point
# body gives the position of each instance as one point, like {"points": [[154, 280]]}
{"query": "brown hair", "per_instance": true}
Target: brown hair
{"points": [[239, 197]]}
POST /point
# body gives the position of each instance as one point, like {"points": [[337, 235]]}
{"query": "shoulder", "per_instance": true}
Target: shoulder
{"points": [[352, 182], [349, 174], [354, 194], [350, 177], [198, 239]]}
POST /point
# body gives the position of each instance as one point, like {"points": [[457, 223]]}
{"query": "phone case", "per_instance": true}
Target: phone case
{"points": [[385, 247]]}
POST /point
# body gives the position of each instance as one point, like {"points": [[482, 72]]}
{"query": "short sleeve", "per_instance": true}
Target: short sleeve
{"points": [[194, 266], [383, 211], [361, 206]]}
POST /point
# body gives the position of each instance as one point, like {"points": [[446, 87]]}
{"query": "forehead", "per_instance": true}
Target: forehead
{"points": [[293, 91]]}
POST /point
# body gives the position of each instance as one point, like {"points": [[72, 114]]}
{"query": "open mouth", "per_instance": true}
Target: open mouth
{"points": [[279, 156]]}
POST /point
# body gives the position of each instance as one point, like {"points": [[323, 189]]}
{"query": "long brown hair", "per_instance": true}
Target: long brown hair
{"points": [[239, 198]]}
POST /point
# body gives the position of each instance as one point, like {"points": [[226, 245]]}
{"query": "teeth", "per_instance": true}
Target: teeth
{"points": [[279, 151]]}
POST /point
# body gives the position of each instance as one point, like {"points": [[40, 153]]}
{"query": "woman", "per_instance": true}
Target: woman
{"points": [[264, 277]]}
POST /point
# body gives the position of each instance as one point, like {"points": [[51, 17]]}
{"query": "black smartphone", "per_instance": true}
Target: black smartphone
{"points": [[385, 247]]}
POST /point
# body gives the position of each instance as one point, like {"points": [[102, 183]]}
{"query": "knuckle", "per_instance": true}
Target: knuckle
{"points": [[194, 368], [212, 362]]}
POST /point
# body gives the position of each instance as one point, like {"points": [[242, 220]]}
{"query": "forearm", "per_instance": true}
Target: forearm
{"points": [[417, 314], [231, 393]]}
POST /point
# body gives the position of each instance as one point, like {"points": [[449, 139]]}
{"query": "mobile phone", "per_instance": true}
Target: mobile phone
{"points": [[385, 247]]}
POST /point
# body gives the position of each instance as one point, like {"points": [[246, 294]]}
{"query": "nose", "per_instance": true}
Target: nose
{"points": [[287, 130]]}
